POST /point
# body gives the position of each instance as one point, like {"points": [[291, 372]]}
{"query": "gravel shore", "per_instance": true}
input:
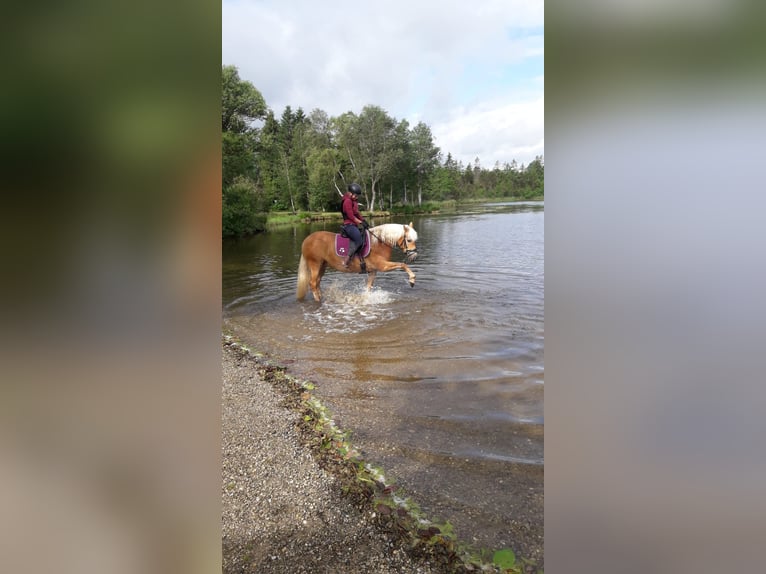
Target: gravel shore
{"points": [[282, 512]]}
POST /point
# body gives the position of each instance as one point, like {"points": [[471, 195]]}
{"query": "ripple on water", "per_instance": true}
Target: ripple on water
{"points": [[442, 383]]}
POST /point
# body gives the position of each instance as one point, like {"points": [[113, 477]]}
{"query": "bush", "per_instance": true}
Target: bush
{"points": [[402, 209], [241, 209]]}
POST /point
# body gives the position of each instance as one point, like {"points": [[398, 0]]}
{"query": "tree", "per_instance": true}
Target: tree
{"points": [[269, 162], [321, 167], [453, 177], [296, 161], [426, 155], [299, 157], [372, 146], [241, 209], [534, 177], [285, 147], [237, 157], [241, 104], [322, 139]]}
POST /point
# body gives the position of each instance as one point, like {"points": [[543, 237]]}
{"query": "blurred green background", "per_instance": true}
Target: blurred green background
{"points": [[110, 394], [107, 110]]}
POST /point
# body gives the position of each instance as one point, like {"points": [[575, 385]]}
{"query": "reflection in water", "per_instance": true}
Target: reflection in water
{"points": [[442, 384]]}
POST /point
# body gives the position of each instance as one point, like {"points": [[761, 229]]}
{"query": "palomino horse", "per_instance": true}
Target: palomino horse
{"points": [[318, 251]]}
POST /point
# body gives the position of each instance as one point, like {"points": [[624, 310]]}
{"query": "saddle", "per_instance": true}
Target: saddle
{"points": [[342, 240]]}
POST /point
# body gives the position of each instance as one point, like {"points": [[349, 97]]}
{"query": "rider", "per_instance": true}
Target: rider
{"points": [[353, 222]]}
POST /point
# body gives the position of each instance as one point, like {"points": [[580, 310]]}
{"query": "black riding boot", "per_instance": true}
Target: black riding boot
{"points": [[352, 247], [362, 249]]}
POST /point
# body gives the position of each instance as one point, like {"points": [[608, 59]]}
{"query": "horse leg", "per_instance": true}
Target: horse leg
{"points": [[390, 266], [316, 277], [322, 269], [370, 279]]}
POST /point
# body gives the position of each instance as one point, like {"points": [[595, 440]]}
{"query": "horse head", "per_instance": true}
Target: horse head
{"points": [[407, 243]]}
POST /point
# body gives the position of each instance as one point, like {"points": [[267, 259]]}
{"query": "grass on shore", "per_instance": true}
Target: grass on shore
{"points": [[277, 218]]}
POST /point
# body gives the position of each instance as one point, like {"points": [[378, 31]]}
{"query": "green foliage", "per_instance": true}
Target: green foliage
{"points": [[241, 102], [300, 162], [449, 205], [321, 167], [238, 156], [504, 558], [242, 210]]}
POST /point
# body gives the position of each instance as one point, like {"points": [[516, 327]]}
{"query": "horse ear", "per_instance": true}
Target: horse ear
{"points": [[410, 224]]}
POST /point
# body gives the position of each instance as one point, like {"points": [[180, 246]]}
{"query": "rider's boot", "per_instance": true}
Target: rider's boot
{"points": [[351, 251], [362, 249]]}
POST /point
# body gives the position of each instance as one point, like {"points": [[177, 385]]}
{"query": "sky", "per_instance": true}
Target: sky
{"points": [[472, 71]]}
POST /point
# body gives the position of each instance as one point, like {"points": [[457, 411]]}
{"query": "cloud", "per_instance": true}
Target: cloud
{"points": [[466, 71], [497, 131]]}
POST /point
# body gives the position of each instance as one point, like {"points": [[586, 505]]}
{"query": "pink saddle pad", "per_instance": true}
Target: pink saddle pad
{"points": [[341, 245]]}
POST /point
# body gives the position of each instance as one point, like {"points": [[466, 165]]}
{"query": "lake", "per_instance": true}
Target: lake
{"points": [[441, 384]]}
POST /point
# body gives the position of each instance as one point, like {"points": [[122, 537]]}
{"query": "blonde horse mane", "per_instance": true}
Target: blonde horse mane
{"points": [[390, 233]]}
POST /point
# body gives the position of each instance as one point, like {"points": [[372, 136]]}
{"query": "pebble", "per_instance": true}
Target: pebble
{"points": [[287, 515]]}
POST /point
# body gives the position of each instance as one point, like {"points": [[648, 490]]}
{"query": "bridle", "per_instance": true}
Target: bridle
{"points": [[409, 254]]}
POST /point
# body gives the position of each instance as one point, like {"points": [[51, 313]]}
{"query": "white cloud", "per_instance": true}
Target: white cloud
{"points": [[459, 67], [494, 132]]}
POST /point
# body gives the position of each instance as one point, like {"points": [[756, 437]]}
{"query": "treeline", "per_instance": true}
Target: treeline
{"points": [[300, 162]]}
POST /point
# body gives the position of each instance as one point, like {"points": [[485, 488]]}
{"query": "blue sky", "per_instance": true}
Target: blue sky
{"points": [[473, 72]]}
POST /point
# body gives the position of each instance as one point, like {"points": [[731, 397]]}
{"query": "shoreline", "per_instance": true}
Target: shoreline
{"points": [[298, 498]]}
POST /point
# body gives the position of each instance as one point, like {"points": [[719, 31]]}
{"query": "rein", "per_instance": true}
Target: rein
{"points": [[379, 238], [376, 236]]}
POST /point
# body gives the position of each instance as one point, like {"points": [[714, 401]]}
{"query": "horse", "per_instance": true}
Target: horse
{"points": [[318, 251]]}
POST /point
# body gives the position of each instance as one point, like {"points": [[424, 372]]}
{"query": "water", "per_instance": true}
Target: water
{"points": [[442, 383]]}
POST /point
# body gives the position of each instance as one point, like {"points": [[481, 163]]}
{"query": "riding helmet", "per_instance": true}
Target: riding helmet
{"points": [[354, 188]]}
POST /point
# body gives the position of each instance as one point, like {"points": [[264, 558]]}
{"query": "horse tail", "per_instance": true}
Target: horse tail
{"points": [[303, 279]]}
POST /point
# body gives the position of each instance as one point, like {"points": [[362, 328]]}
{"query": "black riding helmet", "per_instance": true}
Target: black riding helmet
{"points": [[354, 188]]}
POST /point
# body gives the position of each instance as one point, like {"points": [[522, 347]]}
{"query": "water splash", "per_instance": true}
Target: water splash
{"points": [[345, 310]]}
